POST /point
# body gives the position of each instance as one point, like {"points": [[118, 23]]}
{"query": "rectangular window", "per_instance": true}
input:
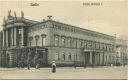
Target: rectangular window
{"points": [[69, 42], [97, 45], [88, 44], [63, 56], [69, 57], [80, 43], [85, 43], [56, 40], [75, 43], [63, 41], [19, 37], [93, 45], [56, 56]]}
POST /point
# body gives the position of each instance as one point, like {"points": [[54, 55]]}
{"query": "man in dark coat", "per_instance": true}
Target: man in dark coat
{"points": [[29, 60]]}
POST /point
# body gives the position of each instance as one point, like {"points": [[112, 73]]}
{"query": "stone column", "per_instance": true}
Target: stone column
{"points": [[22, 36], [6, 38], [11, 36], [11, 59], [78, 46], [15, 36], [101, 58], [3, 38], [95, 58], [98, 58], [0, 59], [90, 57]]}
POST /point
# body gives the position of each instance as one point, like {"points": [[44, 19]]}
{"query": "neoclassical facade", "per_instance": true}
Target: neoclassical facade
{"points": [[65, 44]]}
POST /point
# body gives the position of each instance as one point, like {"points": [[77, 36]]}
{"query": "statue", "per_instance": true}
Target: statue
{"points": [[49, 17], [15, 14], [22, 14], [9, 13]]}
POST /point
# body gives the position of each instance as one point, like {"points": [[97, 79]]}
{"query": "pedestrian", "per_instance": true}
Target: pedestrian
{"points": [[29, 60], [28, 66], [53, 66]]}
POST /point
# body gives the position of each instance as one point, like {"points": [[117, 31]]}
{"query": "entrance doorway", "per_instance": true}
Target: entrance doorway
{"points": [[93, 58], [87, 58]]}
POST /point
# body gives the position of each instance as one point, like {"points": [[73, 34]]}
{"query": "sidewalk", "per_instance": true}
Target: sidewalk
{"points": [[32, 68]]}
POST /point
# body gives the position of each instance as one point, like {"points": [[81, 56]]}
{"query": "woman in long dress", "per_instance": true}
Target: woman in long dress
{"points": [[53, 67]]}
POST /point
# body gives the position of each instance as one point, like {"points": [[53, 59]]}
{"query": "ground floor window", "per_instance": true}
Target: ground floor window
{"points": [[69, 57], [56, 56], [63, 56]]}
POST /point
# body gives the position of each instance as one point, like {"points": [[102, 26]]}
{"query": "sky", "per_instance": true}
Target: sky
{"points": [[110, 18]]}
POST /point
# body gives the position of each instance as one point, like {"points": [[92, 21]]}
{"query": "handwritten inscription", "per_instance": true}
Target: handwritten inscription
{"points": [[92, 4], [34, 4]]}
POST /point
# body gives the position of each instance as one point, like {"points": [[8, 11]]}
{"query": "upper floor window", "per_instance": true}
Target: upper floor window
{"points": [[30, 40], [43, 40], [69, 41], [97, 45], [56, 40], [63, 40], [89, 44], [101, 46], [37, 38], [80, 43], [75, 42], [85, 43], [19, 37]]}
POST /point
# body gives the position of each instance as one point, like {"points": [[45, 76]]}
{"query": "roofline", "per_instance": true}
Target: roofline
{"points": [[85, 29], [93, 32]]}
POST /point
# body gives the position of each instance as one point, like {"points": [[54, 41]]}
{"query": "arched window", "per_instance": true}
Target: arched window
{"points": [[37, 38], [69, 42], [56, 40], [30, 40], [43, 40], [63, 40]]}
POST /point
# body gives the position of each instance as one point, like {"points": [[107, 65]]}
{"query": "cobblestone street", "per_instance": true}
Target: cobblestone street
{"points": [[65, 73]]}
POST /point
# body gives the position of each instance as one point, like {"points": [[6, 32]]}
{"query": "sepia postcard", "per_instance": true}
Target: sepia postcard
{"points": [[63, 39]]}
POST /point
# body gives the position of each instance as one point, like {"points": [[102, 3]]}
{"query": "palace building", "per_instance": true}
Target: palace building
{"points": [[65, 44]]}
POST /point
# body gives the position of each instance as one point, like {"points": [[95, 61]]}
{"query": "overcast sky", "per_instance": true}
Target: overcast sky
{"points": [[109, 18]]}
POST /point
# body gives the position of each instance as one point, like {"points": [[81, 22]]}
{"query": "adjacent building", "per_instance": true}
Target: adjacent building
{"points": [[66, 44], [122, 51]]}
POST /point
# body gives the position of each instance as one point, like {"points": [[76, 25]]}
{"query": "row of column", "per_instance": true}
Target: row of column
{"points": [[95, 58], [10, 37]]}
